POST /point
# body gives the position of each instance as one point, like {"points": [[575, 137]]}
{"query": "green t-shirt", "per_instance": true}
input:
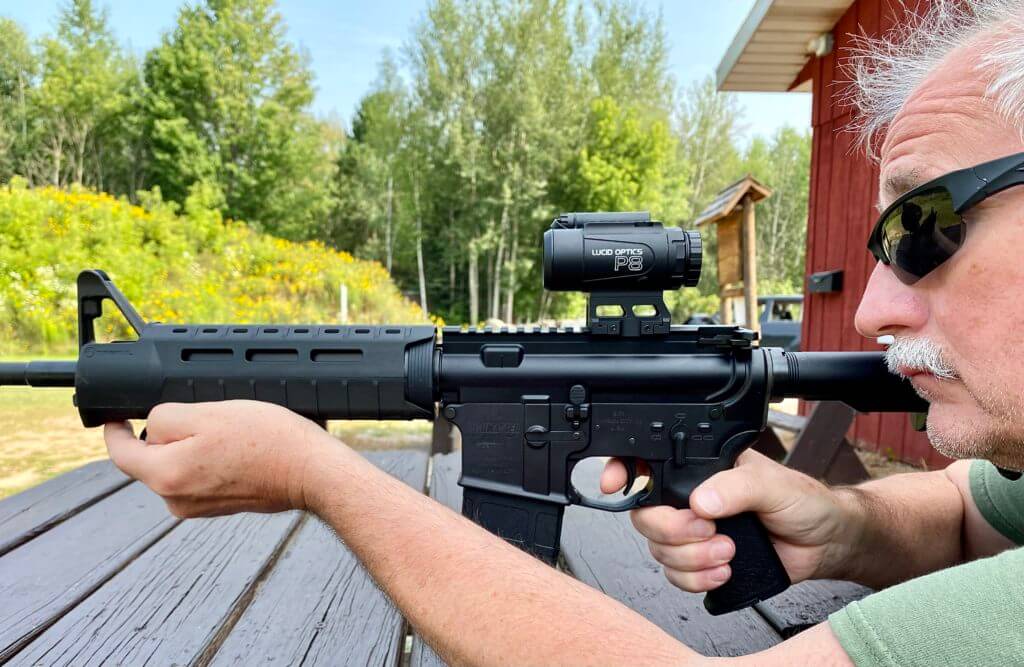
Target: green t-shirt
{"points": [[971, 614]]}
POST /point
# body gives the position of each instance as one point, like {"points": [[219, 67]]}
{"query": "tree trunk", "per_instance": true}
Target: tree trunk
{"points": [[421, 274], [451, 259], [80, 160], [474, 285], [21, 111], [499, 260], [510, 294], [542, 309], [55, 144], [490, 281], [775, 231], [513, 251], [388, 241]]}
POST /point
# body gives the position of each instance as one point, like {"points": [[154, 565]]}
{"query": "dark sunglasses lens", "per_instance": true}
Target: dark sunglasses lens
{"points": [[921, 234]]}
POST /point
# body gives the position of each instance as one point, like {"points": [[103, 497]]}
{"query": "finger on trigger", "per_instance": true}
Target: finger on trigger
{"points": [[613, 477]]}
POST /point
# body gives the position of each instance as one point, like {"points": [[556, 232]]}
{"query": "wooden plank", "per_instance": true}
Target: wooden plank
{"points": [[768, 443], [43, 579], [441, 436], [817, 447], [444, 488], [808, 604], [33, 512], [822, 222], [603, 549], [318, 605], [786, 421], [171, 603], [831, 316]]}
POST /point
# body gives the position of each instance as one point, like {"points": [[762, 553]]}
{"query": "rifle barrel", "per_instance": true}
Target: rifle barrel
{"points": [[38, 373]]}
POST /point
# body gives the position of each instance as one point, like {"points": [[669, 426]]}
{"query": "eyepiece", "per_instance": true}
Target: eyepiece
{"points": [[595, 252]]}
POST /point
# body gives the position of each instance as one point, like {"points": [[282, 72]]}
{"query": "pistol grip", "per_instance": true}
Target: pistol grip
{"points": [[532, 525], [757, 572]]}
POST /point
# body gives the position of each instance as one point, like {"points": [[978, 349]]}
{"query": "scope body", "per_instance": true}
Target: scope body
{"points": [[592, 252]]}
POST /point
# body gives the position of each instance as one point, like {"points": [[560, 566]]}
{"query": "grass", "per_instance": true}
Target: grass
{"points": [[41, 436]]}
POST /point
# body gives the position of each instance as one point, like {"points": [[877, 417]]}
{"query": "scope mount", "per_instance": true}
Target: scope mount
{"points": [[627, 322]]}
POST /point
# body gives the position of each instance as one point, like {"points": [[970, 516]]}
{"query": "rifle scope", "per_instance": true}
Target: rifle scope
{"points": [[596, 252]]}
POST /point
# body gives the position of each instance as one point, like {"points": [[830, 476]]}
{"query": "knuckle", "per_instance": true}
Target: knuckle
{"points": [[675, 528], [641, 519], [659, 524], [655, 550], [688, 581], [688, 558], [178, 510], [168, 483]]}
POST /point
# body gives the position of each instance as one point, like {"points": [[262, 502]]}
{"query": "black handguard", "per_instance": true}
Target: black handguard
{"points": [[530, 404]]}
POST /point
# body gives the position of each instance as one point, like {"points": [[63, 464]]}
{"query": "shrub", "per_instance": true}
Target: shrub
{"points": [[188, 266]]}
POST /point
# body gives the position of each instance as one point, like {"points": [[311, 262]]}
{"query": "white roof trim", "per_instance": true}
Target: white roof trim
{"points": [[772, 44]]}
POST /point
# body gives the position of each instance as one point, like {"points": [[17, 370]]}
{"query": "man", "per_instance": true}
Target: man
{"points": [[954, 313]]}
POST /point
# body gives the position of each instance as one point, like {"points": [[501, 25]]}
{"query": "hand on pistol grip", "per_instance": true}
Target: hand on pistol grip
{"points": [[734, 519]]}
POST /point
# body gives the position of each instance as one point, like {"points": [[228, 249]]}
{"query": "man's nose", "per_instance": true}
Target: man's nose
{"points": [[888, 306]]}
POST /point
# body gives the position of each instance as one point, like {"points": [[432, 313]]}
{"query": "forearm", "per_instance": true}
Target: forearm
{"points": [[476, 599], [898, 528]]}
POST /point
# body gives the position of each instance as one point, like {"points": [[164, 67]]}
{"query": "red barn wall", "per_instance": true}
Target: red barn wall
{"points": [[844, 191]]}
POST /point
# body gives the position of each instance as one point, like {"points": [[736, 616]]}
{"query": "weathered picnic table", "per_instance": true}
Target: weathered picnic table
{"points": [[94, 570]]}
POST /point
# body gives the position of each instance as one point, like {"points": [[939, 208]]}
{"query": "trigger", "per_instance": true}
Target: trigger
{"points": [[630, 464]]}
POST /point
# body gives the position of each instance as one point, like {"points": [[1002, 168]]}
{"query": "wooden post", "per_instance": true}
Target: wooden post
{"points": [[749, 236]]}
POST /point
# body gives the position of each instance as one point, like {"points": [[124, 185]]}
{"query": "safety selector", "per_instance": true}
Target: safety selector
{"points": [[579, 411]]}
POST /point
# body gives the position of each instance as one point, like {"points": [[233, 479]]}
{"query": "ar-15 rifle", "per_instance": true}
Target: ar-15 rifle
{"points": [[530, 405]]}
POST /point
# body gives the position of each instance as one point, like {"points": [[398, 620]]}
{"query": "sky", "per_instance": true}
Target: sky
{"points": [[345, 40]]}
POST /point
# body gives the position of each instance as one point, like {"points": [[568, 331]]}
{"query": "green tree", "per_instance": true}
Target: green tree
{"points": [[623, 162], [447, 63], [17, 72], [784, 164], [227, 103], [378, 131], [81, 96], [489, 134], [708, 128], [630, 60]]}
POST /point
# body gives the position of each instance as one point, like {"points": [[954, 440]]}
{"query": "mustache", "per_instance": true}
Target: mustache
{"points": [[919, 354]]}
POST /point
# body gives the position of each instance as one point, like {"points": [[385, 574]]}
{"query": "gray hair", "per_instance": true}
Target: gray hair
{"points": [[884, 71]]}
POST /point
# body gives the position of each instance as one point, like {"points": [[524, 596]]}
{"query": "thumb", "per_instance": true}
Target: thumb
{"points": [[126, 451], [756, 484]]}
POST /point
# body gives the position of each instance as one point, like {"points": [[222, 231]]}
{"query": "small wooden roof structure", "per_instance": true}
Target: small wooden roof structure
{"points": [[724, 205]]}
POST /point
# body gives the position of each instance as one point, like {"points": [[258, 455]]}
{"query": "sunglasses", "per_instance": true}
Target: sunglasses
{"points": [[926, 226]]}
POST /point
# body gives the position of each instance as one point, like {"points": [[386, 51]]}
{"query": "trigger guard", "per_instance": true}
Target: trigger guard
{"points": [[624, 505], [630, 465]]}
